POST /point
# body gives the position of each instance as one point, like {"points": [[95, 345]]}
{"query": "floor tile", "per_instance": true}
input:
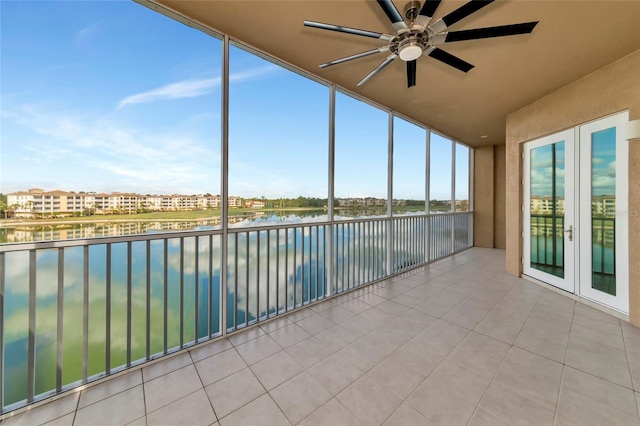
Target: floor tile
{"points": [[407, 416], [45, 413], [371, 299], [289, 335], [243, 336], [260, 412], [362, 354], [258, 349], [589, 318], [461, 380], [171, 387], [441, 337], [276, 369], [275, 324], [386, 340], [544, 339], [441, 405], [315, 324], [377, 316], [331, 414], [483, 418], [359, 326], [231, 393], [337, 314], [393, 308], [193, 409], [514, 408], [370, 402], [589, 400], [599, 360], [219, 366], [63, 421], [300, 396], [309, 352], [482, 354], [419, 358], [531, 376], [398, 378], [336, 338], [335, 373], [208, 349], [109, 388], [165, 366], [356, 306], [612, 340], [119, 409]]}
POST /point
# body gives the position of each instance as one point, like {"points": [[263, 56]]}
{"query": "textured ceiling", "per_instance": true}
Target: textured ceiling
{"points": [[573, 39]]}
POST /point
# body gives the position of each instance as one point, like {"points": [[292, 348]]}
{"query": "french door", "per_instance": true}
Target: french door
{"points": [[575, 211]]}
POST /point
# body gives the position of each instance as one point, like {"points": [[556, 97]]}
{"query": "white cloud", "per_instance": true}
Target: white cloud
{"points": [[181, 89], [192, 88]]}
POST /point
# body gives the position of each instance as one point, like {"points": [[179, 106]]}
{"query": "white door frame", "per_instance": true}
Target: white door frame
{"points": [[568, 282], [620, 301]]}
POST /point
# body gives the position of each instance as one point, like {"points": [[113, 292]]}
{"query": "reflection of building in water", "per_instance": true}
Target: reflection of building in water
{"points": [[94, 230], [36, 202], [544, 205], [603, 205]]}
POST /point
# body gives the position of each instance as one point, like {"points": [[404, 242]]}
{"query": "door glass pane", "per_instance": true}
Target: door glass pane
{"points": [[547, 208], [603, 207]]}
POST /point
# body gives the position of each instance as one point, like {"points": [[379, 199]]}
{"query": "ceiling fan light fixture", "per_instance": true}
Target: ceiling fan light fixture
{"points": [[410, 52]]}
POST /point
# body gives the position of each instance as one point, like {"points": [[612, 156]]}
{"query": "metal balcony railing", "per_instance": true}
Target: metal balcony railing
{"points": [[76, 310]]}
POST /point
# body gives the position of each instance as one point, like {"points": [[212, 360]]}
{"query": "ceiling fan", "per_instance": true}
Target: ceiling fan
{"points": [[415, 35]]}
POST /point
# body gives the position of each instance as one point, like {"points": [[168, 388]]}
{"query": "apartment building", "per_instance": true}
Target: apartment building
{"points": [[37, 202]]}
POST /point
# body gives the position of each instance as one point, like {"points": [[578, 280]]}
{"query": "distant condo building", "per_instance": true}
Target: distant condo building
{"points": [[43, 203]]}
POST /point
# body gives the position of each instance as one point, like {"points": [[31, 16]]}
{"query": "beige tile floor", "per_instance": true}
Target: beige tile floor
{"points": [[454, 343]]}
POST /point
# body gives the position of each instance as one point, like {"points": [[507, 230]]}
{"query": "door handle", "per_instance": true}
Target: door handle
{"points": [[570, 232]]}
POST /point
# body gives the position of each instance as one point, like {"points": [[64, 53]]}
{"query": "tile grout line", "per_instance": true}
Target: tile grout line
{"points": [[203, 386], [555, 416]]}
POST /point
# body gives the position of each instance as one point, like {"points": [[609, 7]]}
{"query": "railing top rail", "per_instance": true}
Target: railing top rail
{"points": [[81, 242]]}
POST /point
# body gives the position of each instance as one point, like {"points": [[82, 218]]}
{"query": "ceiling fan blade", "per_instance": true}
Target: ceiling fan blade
{"points": [[379, 68], [348, 30], [450, 60], [356, 56], [429, 7], [392, 13], [458, 14], [489, 32], [411, 73]]}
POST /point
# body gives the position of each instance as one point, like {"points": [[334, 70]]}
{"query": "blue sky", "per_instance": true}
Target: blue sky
{"points": [[110, 96]]}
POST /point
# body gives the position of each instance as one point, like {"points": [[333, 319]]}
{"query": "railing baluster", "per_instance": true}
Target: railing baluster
{"points": [[128, 357], [2, 272], [258, 276], [148, 296], [85, 313], [165, 323], [60, 324], [196, 249], [235, 283], [247, 264], [181, 292], [268, 273], [108, 313]]}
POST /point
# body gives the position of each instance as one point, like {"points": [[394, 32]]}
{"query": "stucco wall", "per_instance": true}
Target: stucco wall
{"points": [[611, 89], [499, 192], [483, 197]]}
